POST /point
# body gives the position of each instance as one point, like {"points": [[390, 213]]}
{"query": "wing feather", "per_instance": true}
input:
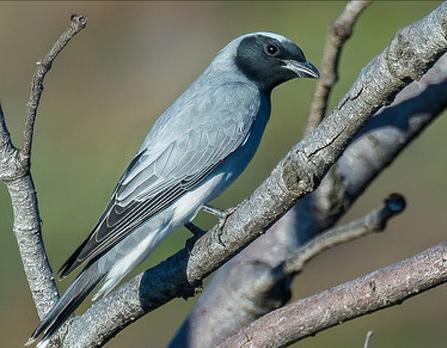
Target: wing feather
{"points": [[175, 157]]}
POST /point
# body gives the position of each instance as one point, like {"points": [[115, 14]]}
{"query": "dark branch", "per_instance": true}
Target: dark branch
{"points": [[265, 281], [373, 222]]}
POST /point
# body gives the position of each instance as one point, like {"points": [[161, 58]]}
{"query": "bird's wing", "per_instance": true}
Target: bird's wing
{"points": [[179, 152]]}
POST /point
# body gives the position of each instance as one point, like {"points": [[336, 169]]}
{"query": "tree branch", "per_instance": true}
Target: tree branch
{"points": [[380, 289], [372, 151], [14, 172], [267, 277], [375, 221], [408, 57], [77, 23], [339, 32]]}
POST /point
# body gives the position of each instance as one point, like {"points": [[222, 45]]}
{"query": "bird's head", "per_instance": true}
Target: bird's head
{"points": [[270, 59]]}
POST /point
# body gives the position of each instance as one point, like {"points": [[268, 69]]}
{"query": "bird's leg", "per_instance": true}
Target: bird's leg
{"points": [[222, 215], [197, 233], [195, 230]]}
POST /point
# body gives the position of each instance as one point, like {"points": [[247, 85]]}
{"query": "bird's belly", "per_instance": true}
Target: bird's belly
{"points": [[132, 250], [186, 208]]}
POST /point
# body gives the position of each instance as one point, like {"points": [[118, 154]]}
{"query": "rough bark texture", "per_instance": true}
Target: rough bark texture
{"points": [[15, 173], [372, 151], [377, 290], [408, 57], [375, 221], [339, 32]]}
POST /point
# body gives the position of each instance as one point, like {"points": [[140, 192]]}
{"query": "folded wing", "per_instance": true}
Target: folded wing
{"points": [[186, 144]]}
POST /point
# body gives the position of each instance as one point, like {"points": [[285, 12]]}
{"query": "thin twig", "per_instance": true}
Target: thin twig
{"points": [[77, 23], [14, 172], [5, 138], [338, 34], [368, 337], [373, 222], [8, 163], [377, 290]]}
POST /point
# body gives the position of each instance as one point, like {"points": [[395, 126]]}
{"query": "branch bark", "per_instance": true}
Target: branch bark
{"points": [[77, 23], [15, 174], [380, 289], [408, 57], [339, 32], [370, 153], [267, 277], [375, 221]]}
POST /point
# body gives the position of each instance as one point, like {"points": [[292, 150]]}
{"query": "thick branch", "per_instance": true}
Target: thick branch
{"points": [[379, 143], [14, 172], [383, 288], [408, 57], [266, 278], [375, 148], [339, 33]]}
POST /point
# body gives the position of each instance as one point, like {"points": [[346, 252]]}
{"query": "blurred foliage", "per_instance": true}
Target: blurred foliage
{"points": [[110, 83]]}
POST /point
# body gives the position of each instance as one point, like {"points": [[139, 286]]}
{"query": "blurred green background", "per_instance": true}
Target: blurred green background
{"points": [[105, 91]]}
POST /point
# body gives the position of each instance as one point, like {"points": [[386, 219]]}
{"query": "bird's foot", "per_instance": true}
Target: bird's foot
{"points": [[195, 230], [222, 215]]}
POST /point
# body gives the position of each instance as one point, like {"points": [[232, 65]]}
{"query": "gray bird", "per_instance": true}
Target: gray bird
{"points": [[194, 151]]}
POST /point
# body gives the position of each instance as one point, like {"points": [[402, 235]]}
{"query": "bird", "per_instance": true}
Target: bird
{"points": [[197, 147]]}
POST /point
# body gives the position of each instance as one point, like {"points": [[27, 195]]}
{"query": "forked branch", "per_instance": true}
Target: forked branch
{"points": [[14, 172], [408, 57], [380, 289], [375, 221]]}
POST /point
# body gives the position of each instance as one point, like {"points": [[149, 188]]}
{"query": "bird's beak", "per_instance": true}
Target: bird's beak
{"points": [[302, 69]]}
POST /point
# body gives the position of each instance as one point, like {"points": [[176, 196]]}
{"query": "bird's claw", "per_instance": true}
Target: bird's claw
{"points": [[223, 216], [197, 232]]}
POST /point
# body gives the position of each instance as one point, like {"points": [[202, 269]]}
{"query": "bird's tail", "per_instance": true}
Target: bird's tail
{"points": [[67, 304]]}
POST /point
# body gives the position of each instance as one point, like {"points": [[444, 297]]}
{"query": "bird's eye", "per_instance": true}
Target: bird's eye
{"points": [[271, 50]]}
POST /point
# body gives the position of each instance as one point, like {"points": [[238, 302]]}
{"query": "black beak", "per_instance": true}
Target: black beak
{"points": [[302, 69]]}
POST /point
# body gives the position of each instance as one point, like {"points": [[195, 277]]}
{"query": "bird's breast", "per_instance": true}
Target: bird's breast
{"points": [[224, 175], [230, 169]]}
